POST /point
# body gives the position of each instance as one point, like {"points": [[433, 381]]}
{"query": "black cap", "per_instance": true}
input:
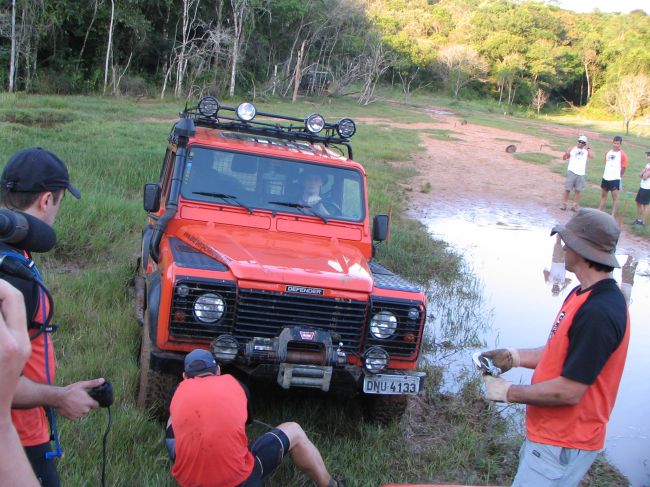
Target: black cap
{"points": [[647, 153], [199, 362], [36, 170]]}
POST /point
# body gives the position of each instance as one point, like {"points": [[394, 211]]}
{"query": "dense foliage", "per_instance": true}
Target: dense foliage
{"points": [[522, 52]]}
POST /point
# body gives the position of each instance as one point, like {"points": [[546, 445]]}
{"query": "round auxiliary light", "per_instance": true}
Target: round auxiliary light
{"points": [[346, 128], [246, 111], [414, 314], [383, 325], [225, 348], [375, 359], [208, 106], [209, 308], [314, 123], [183, 291]]}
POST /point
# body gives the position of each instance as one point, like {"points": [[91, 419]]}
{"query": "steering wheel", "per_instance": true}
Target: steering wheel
{"points": [[332, 208]]}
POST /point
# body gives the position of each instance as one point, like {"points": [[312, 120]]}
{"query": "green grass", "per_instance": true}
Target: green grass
{"points": [[535, 157], [113, 147]]}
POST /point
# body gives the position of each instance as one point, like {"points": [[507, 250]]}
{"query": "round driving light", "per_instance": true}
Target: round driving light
{"points": [[183, 291], [246, 112], [383, 325], [225, 348], [209, 308], [376, 359], [315, 123], [208, 106], [414, 314], [346, 128]]}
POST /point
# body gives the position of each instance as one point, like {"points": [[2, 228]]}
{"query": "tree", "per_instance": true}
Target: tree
{"points": [[461, 64], [540, 99], [629, 97]]}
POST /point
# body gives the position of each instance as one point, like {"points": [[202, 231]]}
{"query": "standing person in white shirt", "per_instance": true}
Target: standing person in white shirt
{"points": [[643, 196], [615, 165], [576, 170]]}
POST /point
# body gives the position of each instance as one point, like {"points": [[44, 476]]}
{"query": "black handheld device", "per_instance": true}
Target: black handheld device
{"points": [[102, 394]]}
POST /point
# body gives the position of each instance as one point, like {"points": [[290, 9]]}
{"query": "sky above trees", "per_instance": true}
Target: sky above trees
{"points": [[624, 6]]}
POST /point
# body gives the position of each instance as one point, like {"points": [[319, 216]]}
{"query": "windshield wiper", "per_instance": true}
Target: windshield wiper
{"points": [[225, 197], [304, 209]]}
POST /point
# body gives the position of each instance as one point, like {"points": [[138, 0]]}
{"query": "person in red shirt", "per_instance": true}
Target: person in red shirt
{"points": [[34, 181], [206, 434], [578, 370]]}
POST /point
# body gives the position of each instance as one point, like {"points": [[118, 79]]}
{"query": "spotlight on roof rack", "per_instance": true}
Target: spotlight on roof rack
{"points": [[314, 123], [346, 128], [246, 112], [208, 106]]}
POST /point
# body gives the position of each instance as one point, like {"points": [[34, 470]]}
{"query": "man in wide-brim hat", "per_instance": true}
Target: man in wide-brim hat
{"points": [[578, 370]]}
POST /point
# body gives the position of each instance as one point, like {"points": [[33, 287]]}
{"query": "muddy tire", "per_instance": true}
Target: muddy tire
{"points": [[154, 388], [383, 410]]}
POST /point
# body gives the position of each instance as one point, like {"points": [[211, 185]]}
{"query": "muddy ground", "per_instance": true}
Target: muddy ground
{"points": [[477, 170]]}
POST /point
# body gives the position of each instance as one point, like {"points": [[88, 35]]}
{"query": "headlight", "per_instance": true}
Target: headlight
{"points": [[209, 308], [346, 128], [246, 112], [383, 325], [208, 106], [225, 348], [376, 359], [314, 123]]}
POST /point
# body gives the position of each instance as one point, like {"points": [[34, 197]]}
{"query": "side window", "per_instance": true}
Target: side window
{"points": [[351, 199]]}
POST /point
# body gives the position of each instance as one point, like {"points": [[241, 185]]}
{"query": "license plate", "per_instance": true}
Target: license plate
{"points": [[391, 384]]}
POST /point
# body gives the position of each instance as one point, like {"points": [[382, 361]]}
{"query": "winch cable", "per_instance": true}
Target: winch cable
{"points": [[104, 443]]}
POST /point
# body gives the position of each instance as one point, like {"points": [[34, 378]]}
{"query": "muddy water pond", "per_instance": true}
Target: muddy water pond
{"points": [[508, 252]]}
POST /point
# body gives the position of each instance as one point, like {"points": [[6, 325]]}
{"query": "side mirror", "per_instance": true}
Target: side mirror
{"points": [[152, 197], [380, 226]]}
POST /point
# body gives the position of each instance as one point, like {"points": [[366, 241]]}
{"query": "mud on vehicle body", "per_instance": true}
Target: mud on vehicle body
{"points": [[259, 248]]}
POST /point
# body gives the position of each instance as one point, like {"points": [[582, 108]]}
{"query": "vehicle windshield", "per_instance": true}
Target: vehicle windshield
{"points": [[279, 185]]}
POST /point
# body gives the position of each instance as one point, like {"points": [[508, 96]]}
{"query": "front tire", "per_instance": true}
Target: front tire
{"points": [[383, 409], [155, 387]]}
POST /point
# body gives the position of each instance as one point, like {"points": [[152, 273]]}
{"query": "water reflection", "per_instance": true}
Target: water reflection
{"points": [[556, 276], [506, 251]]}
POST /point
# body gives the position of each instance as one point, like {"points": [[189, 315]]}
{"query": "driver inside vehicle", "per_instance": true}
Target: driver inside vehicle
{"points": [[312, 183]]}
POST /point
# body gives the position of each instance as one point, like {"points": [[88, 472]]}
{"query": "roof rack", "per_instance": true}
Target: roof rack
{"points": [[210, 113]]}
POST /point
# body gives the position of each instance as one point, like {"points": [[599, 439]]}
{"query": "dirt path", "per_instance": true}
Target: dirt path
{"points": [[477, 170]]}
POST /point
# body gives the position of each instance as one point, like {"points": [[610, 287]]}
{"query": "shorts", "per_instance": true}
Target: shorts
{"points": [[613, 185], [547, 465], [45, 469], [268, 451], [574, 181], [643, 196]]}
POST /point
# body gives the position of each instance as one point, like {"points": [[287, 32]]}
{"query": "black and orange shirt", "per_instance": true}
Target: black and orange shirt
{"points": [[587, 344], [209, 417]]}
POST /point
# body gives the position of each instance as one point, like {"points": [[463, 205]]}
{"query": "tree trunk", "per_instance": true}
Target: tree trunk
{"points": [[109, 46], [90, 26], [12, 62], [588, 82], [298, 72]]}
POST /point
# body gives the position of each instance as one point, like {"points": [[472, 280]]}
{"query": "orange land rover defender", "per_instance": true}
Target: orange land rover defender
{"points": [[259, 248]]}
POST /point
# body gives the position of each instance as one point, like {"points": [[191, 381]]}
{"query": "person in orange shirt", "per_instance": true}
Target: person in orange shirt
{"points": [[206, 434], [34, 181], [578, 370]]}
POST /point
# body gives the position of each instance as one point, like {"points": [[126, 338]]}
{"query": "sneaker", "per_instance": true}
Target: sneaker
{"points": [[637, 222], [563, 207], [575, 207]]}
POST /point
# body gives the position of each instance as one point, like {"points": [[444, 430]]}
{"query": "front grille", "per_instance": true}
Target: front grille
{"points": [[397, 345], [183, 323], [266, 313]]}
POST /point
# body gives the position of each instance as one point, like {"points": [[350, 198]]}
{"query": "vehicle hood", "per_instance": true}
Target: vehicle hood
{"points": [[282, 257]]}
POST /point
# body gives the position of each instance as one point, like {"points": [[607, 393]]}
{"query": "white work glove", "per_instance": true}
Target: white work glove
{"points": [[496, 388], [504, 358]]}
